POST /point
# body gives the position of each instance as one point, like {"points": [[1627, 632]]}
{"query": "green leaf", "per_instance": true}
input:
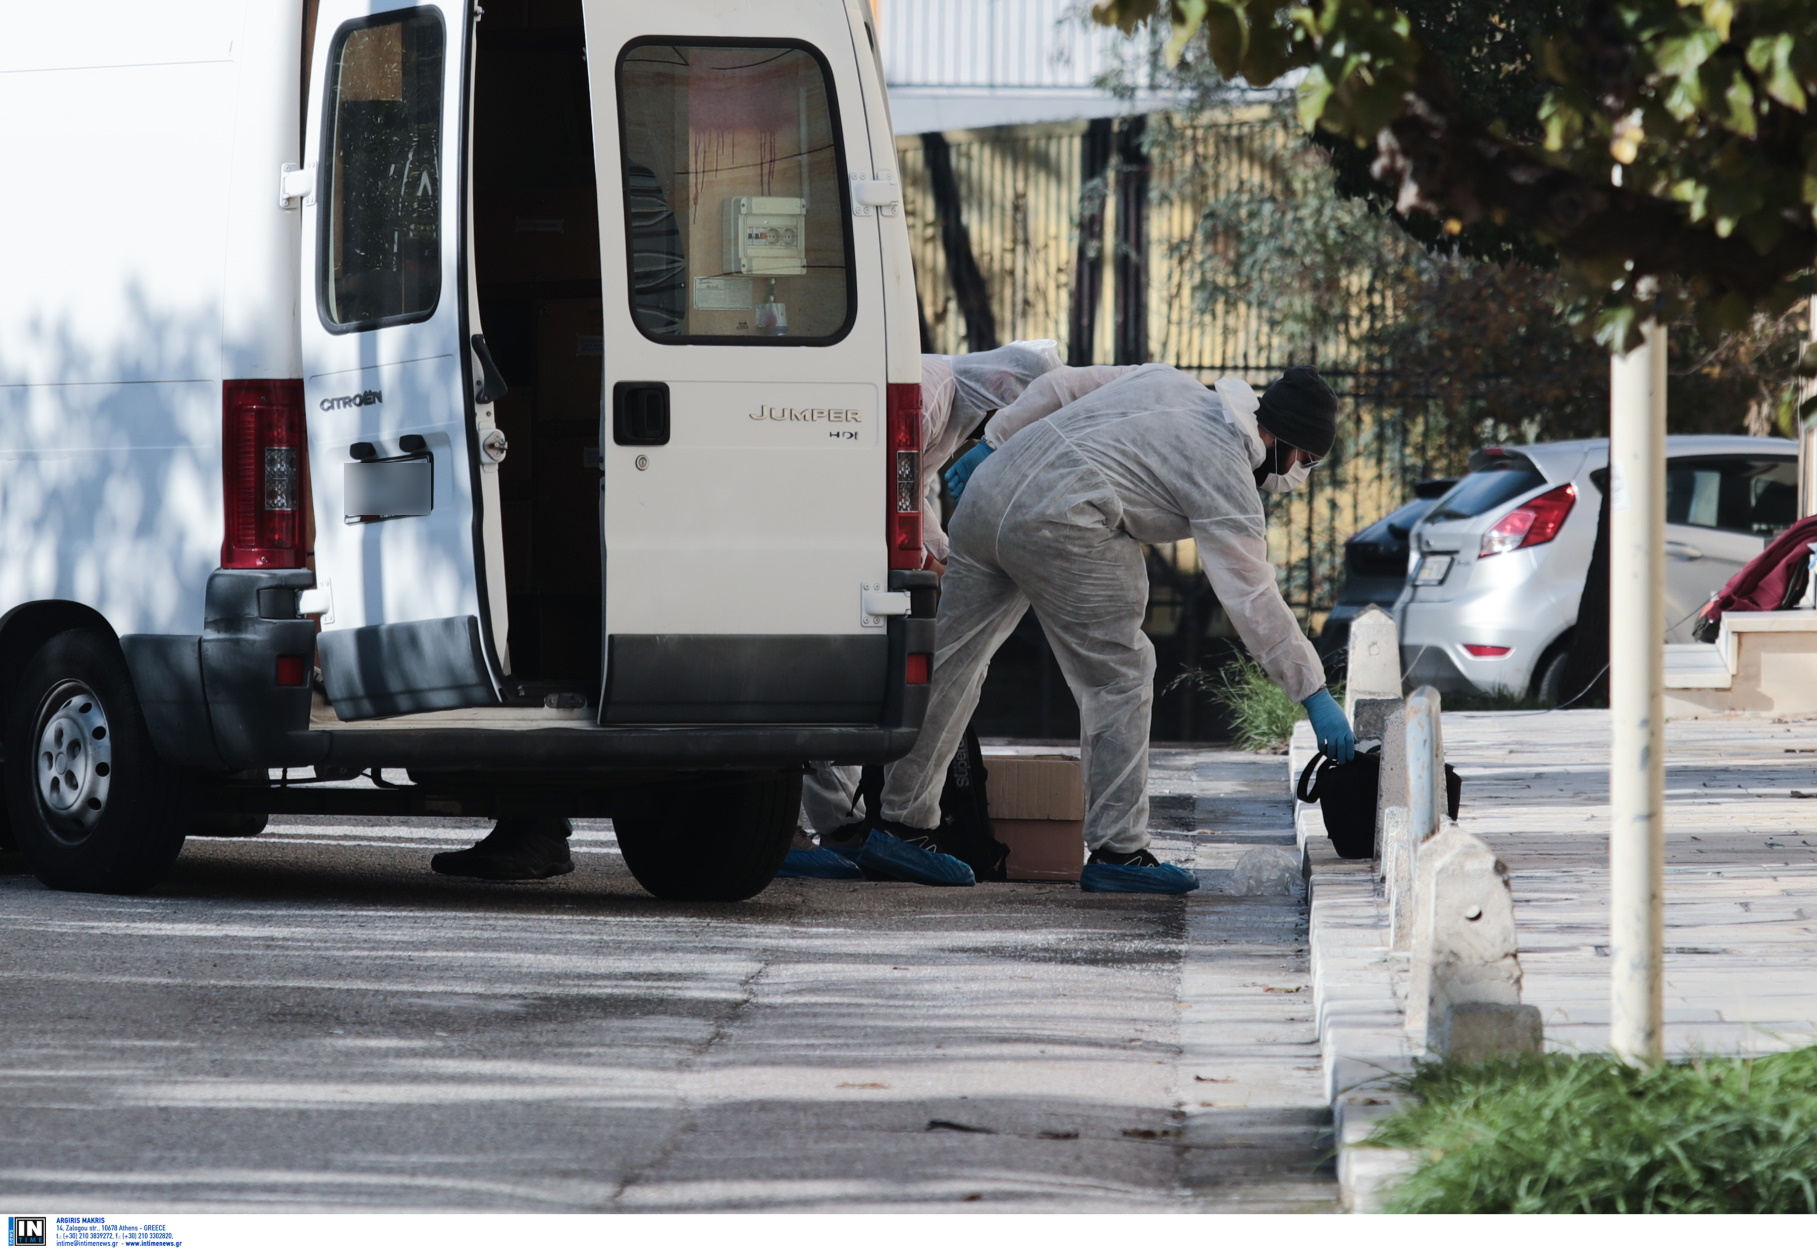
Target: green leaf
{"points": [[1564, 123], [1618, 328], [1770, 56], [1740, 101], [1125, 15], [1271, 45], [1684, 55], [1187, 16], [1225, 36], [1719, 14], [1313, 96]]}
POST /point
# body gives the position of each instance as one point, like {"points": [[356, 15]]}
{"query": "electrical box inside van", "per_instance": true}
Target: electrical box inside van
{"points": [[764, 235]]}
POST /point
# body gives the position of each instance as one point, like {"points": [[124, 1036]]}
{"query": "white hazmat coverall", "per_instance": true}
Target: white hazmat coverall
{"points": [[957, 392], [1056, 520]]}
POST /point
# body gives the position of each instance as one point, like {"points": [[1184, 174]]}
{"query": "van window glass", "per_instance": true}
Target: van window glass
{"points": [[380, 257], [1740, 494], [735, 196], [1476, 493]]}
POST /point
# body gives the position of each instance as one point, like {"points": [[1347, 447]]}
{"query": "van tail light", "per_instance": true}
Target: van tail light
{"points": [[904, 515], [1534, 522], [917, 667], [264, 464], [1484, 651]]}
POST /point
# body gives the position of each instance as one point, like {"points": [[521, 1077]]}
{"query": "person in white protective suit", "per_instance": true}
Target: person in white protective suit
{"points": [[1056, 520], [958, 393]]}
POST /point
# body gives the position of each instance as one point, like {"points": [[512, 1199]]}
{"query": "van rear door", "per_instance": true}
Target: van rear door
{"points": [[744, 432], [399, 475]]}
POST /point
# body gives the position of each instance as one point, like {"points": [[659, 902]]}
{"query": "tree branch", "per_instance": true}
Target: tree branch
{"points": [[1440, 162]]}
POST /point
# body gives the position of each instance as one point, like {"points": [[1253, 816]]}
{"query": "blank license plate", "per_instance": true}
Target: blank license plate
{"points": [[1432, 570]]}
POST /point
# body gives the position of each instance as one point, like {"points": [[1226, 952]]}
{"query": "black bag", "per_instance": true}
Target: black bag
{"points": [[1347, 795], [965, 821]]}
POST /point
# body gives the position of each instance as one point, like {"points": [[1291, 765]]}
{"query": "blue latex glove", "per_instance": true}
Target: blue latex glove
{"points": [[1336, 739], [964, 467]]}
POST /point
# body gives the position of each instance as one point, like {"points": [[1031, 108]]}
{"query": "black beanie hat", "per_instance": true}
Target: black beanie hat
{"points": [[1301, 411]]}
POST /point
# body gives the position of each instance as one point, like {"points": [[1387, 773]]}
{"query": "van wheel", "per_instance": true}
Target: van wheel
{"points": [[92, 806], [706, 843]]}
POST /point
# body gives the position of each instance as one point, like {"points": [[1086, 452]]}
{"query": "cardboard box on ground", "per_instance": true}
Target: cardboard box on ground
{"points": [[1037, 809]]}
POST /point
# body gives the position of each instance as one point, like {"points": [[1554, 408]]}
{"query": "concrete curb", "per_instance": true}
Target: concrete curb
{"points": [[1359, 997]]}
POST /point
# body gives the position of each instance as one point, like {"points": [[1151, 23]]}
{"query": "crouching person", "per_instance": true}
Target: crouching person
{"points": [[1055, 520]]}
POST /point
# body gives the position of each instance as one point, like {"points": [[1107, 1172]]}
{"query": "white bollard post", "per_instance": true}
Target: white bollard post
{"points": [[1372, 669], [1637, 403], [1464, 996], [1397, 876], [1391, 794], [1424, 781], [1425, 765]]}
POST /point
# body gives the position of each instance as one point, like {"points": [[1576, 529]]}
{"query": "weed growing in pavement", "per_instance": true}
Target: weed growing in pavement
{"points": [[1262, 717], [1588, 1134]]}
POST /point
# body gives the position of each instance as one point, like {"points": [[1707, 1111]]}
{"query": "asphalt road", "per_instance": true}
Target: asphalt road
{"points": [[311, 1020]]}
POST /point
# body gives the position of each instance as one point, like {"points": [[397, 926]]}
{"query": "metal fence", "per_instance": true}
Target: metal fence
{"points": [[1091, 235], [1047, 231]]}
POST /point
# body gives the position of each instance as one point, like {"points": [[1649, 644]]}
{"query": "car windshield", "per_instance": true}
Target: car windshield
{"points": [[1479, 492]]}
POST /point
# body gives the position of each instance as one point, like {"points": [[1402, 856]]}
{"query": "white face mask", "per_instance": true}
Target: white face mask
{"points": [[1281, 483]]}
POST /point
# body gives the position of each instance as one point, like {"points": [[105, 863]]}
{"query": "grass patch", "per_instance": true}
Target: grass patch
{"points": [[1587, 1134], [1262, 717]]}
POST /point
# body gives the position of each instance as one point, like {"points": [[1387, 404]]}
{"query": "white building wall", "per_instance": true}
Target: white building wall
{"points": [[959, 64]]}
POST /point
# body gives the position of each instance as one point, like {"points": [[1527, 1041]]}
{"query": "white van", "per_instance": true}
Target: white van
{"points": [[523, 397]]}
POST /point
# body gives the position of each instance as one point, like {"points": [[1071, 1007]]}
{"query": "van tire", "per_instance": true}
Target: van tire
{"points": [[111, 818], [704, 843]]}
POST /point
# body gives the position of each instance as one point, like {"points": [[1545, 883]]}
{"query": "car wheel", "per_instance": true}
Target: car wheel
{"points": [[92, 806], [702, 843], [1550, 677]]}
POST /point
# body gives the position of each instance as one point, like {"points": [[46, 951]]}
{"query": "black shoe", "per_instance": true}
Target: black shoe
{"points": [[519, 848], [1143, 858]]}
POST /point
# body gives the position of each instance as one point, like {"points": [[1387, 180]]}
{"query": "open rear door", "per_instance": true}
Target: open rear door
{"points": [[743, 440], [390, 358]]}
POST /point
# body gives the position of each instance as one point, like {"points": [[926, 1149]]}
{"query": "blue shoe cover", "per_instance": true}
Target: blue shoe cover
{"points": [[1137, 879], [894, 859], [820, 864]]}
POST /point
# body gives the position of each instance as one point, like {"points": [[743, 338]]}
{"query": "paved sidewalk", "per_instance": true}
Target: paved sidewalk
{"points": [[1741, 895]]}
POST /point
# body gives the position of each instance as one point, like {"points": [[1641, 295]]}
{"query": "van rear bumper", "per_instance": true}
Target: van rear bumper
{"points": [[213, 705]]}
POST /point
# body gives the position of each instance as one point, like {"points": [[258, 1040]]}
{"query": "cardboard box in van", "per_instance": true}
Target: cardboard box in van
{"points": [[1037, 809]]}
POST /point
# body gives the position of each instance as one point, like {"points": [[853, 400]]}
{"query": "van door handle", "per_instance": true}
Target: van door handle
{"points": [[640, 414], [1683, 551]]}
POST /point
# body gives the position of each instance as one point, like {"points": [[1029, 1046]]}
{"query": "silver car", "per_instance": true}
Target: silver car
{"points": [[1496, 569]]}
